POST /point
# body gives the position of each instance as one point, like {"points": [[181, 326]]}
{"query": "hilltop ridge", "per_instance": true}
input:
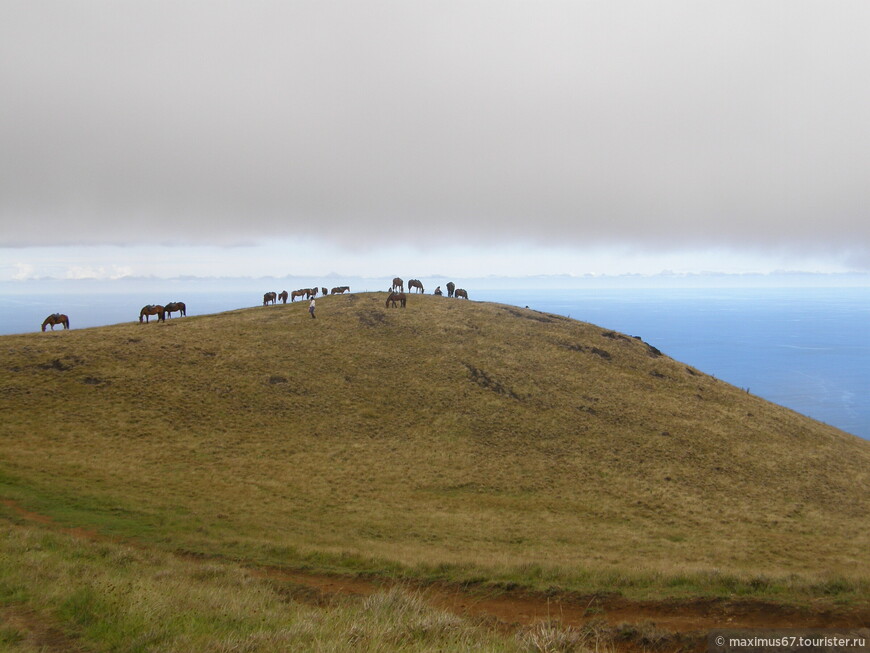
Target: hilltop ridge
{"points": [[468, 434]]}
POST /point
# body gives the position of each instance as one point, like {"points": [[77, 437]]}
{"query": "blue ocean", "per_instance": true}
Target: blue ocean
{"points": [[804, 348]]}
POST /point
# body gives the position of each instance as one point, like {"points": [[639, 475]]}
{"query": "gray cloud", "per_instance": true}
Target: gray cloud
{"points": [[666, 124]]}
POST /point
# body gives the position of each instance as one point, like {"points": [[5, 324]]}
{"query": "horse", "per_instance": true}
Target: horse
{"points": [[450, 288], [56, 318], [311, 292], [283, 296], [172, 307], [152, 309], [460, 293], [339, 290], [270, 297], [323, 292], [398, 283], [396, 297], [415, 283], [298, 293]]}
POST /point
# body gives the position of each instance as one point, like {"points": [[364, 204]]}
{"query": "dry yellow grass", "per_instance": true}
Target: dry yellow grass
{"points": [[451, 438]]}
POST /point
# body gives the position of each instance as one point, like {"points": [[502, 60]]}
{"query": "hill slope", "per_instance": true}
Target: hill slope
{"points": [[448, 436]]}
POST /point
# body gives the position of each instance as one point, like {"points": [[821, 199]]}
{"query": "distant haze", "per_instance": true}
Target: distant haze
{"points": [[656, 126]]}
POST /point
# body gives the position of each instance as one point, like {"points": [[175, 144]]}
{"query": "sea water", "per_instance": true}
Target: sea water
{"points": [[804, 348]]}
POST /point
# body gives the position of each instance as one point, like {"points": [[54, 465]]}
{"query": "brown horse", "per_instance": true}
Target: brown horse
{"points": [[396, 297], [173, 307], [311, 292], [283, 296], [398, 283], [415, 283], [152, 309], [270, 298], [339, 290], [302, 292], [56, 318], [450, 288], [460, 293]]}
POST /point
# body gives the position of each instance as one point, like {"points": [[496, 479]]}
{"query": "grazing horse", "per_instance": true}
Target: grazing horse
{"points": [[339, 290], [152, 309], [323, 292], [283, 296], [56, 318], [415, 283], [450, 288], [460, 293], [172, 307], [398, 283], [396, 297], [270, 297], [298, 293]]}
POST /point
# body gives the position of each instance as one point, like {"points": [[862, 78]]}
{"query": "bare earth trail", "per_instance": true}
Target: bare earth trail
{"points": [[677, 624]]}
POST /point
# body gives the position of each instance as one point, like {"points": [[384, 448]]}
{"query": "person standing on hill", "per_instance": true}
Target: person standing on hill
{"points": [[311, 308]]}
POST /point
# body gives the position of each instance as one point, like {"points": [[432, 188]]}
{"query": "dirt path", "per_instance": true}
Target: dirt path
{"points": [[681, 624], [675, 616]]}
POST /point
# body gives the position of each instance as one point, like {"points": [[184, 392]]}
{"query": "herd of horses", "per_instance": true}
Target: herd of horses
{"points": [[452, 290], [305, 293], [396, 298], [162, 311]]}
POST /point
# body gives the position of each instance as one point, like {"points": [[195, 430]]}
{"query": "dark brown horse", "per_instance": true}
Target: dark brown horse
{"points": [[302, 292], [339, 290], [173, 307], [56, 318], [415, 283], [460, 293], [450, 288], [283, 296], [152, 309], [396, 297], [270, 298], [398, 283]]}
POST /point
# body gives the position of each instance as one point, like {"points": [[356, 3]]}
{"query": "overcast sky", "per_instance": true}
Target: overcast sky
{"points": [[547, 136]]}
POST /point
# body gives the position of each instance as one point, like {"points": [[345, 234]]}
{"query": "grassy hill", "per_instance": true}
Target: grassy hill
{"points": [[452, 440]]}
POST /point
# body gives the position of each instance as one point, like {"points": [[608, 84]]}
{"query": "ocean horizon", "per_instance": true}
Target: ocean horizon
{"points": [[803, 348]]}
